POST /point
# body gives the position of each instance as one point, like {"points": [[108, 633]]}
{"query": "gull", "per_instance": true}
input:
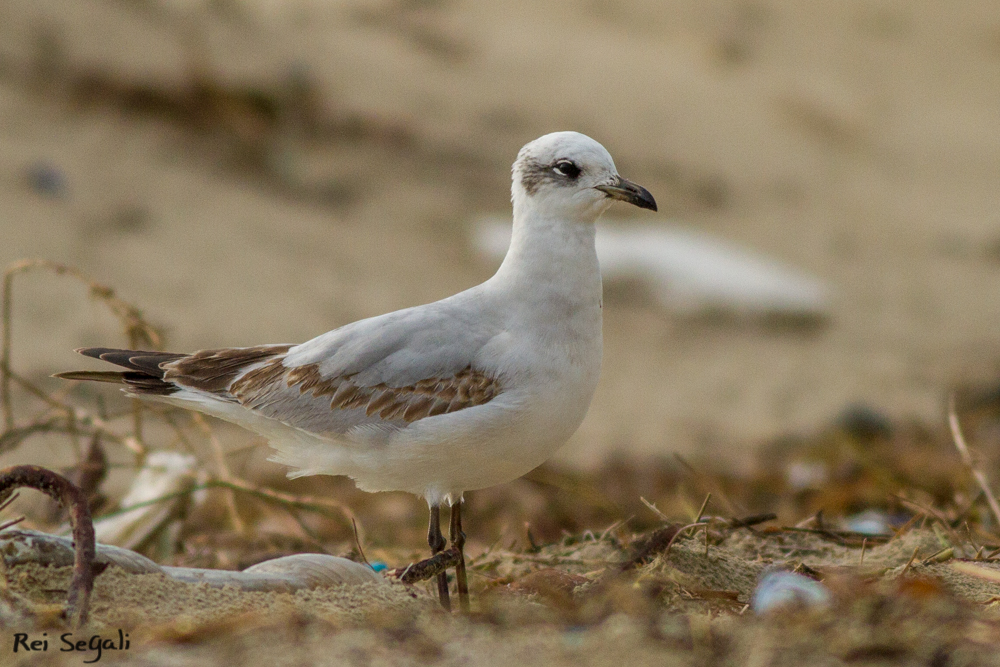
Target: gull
{"points": [[457, 395]]}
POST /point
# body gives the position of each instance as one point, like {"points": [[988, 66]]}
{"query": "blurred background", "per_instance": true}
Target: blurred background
{"points": [[252, 171]]}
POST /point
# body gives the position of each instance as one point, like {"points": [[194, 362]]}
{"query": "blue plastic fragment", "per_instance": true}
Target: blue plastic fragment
{"points": [[378, 566]]}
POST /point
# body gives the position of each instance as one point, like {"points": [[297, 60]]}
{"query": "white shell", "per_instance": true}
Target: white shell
{"points": [[287, 574], [780, 589], [164, 473]]}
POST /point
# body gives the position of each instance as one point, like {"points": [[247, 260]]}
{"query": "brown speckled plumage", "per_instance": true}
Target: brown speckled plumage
{"points": [[219, 372], [214, 370], [427, 398]]}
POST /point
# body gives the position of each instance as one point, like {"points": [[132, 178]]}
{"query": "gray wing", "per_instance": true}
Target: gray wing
{"points": [[381, 373]]}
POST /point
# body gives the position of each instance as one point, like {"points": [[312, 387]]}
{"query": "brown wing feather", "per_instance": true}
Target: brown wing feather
{"points": [[216, 372], [429, 397], [164, 373]]}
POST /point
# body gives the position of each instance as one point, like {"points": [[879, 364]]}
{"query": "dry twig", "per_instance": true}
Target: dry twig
{"points": [[963, 452], [655, 510], [70, 496], [138, 332], [683, 530], [909, 563], [701, 510], [750, 521], [223, 471], [650, 545]]}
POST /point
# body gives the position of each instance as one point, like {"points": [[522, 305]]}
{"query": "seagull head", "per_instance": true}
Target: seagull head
{"points": [[569, 175]]}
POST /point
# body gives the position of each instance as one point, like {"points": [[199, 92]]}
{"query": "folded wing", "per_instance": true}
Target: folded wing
{"points": [[385, 372]]}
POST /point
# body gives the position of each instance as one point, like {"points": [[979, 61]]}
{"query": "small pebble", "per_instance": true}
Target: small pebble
{"points": [[801, 475], [47, 180], [781, 589], [869, 522], [865, 423]]}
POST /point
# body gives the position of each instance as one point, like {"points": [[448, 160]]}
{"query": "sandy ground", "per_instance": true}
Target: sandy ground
{"points": [[685, 607], [855, 140]]}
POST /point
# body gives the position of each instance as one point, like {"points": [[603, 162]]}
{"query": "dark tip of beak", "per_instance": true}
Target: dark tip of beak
{"points": [[644, 199], [627, 191]]}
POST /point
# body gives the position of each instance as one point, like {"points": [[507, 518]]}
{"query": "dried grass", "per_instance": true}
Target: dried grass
{"points": [[67, 417]]}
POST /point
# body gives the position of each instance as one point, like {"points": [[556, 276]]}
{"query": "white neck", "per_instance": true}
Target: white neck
{"points": [[551, 259]]}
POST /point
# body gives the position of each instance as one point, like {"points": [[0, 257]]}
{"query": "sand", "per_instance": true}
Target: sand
{"points": [[683, 607], [854, 141]]}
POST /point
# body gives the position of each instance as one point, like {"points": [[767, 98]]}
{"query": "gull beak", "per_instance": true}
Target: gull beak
{"points": [[625, 190]]}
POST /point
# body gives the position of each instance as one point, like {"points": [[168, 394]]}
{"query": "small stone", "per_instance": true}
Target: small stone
{"points": [[779, 589]]}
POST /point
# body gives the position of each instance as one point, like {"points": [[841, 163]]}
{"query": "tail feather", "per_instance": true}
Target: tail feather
{"points": [[164, 373], [140, 383], [92, 376], [144, 375]]}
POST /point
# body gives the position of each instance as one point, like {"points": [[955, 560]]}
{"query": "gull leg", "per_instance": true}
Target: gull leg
{"points": [[436, 542], [458, 542]]}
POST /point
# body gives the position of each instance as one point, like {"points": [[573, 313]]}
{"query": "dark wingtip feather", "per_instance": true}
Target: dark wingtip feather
{"points": [[141, 383], [93, 352], [144, 361]]}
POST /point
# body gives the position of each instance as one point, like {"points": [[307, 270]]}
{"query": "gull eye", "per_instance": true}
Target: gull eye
{"points": [[566, 168]]}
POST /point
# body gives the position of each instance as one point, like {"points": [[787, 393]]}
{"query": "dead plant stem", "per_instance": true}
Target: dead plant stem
{"points": [[963, 452]]}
